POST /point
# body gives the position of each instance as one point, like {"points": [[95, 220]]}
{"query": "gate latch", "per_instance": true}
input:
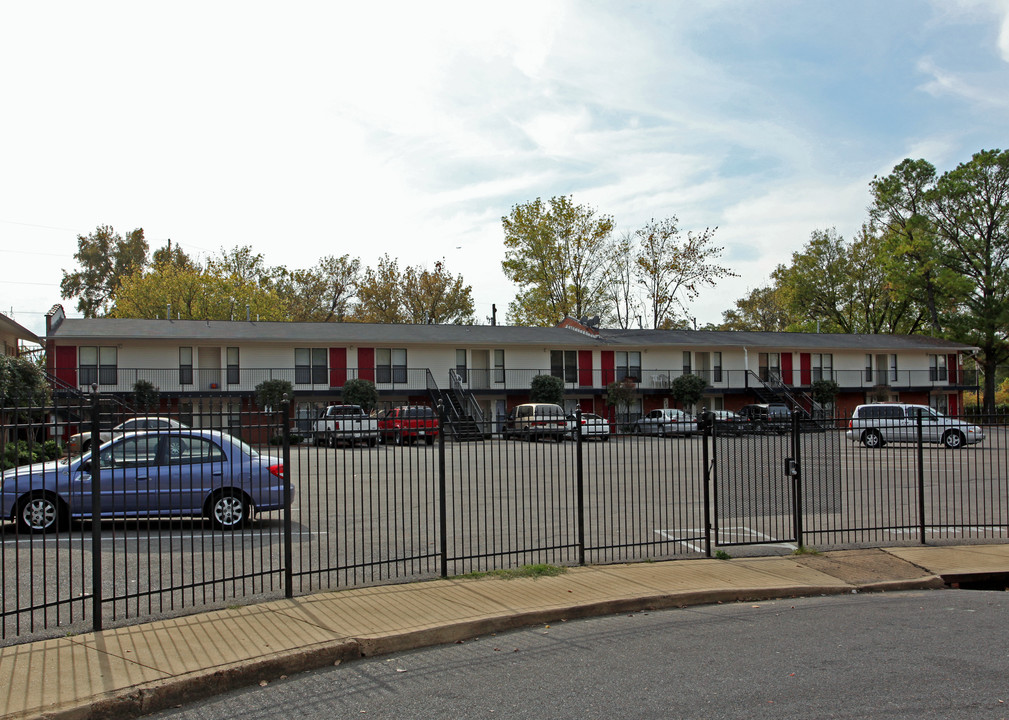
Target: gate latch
{"points": [[791, 467]]}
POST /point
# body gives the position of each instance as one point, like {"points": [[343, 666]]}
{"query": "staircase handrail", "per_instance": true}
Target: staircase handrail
{"points": [[466, 399]]}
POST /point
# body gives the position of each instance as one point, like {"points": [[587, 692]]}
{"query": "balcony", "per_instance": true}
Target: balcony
{"points": [[413, 381]]}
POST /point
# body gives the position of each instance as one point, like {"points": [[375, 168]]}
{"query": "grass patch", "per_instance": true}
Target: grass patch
{"points": [[804, 550], [533, 571], [722, 555]]}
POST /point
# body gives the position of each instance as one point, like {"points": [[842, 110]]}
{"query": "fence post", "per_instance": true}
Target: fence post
{"points": [[797, 480], [579, 469], [285, 429], [921, 482], [95, 470], [707, 426], [442, 501]]}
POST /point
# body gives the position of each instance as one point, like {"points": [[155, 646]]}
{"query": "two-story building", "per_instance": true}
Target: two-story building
{"points": [[13, 336], [199, 363]]}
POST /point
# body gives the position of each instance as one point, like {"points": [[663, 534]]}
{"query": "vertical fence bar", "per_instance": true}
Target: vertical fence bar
{"points": [[580, 470], [921, 481], [96, 514], [442, 501], [797, 479], [285, 430], [706, 437]]}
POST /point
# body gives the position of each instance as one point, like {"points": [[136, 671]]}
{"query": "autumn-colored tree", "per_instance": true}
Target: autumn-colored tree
{"points": [[672, 270], [323, 293], [379, 294], [436, 296], [105, 259], [762, 310]]}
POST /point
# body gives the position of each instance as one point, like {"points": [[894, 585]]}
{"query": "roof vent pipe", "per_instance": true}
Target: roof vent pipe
{"points": [[248, 313], [169, 313]]}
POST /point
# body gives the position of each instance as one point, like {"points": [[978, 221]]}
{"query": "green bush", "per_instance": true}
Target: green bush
{"points": [[23, 453], [360, 392], [547, 389]]}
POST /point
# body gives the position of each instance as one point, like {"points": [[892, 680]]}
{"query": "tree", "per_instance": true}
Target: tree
{"points": [[360, 392], [172, 255], [320, 294], [817, 285], [194, 294], [436, 296], [145, 395], [687, 389], [970, 209], [379, 293], [22, 383], [556, 253], [546, 389], [762, 310], [270, 394], [672, 271], [824, 391], [242, 266], [623, 305], [621, 395], [105, 260]]}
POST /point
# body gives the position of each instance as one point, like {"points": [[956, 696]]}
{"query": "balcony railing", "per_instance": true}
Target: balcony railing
{"points": [[414, 380]]}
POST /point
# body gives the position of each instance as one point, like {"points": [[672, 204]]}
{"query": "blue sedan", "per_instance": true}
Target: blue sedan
{"points": [[148, 474]]}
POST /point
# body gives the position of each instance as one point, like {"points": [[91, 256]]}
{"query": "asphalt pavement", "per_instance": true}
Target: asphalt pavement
{"points": [[135, 670]]}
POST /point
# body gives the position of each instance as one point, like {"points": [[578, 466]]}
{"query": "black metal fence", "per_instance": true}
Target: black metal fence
{"points": [[360, 513]]}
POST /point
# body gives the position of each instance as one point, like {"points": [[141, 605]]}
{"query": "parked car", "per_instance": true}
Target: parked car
{"points": [[348, 424], [666, 421], [727, 422], [877, 424], [536, 420], [593, 426], [174, 473], [81, 442], [766, 417], [409, 423]]}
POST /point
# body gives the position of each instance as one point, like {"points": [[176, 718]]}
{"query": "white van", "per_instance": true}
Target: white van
{"points": [[877, 424]]}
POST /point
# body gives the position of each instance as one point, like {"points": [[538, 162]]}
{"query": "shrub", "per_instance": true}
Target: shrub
{"points": [[360, 392], [23, 453], [270, 393], [547, 389], [145, 395], [687, 389]]}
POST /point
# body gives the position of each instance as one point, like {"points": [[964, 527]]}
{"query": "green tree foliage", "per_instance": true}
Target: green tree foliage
{"points": [[547, 389], [380, 294], [323, 293], [436, 296], [970, 209], [360, 392], [556, 253], [270, 394], [673, 270], [145, 395], [763, 310], [172, 255], [105, 259], [621, 395], [824, 390], [22, 383], [687, 389]]}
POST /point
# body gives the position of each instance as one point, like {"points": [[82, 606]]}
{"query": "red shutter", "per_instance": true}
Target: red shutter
{"points": [[585, 368], [66, 364], [607, 364], [954, 405], [952, 368], [786, 369], [366, 363], [805, 369], [337, 367]]}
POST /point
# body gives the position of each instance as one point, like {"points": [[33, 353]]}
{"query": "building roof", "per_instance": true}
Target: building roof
{"points": [[18, 331], [319, 333]]}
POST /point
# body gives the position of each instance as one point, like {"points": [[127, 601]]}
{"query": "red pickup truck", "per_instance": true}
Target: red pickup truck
{"points": [[409, 423]]}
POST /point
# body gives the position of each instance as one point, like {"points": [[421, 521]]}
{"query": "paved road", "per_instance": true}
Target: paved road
{"points": [[935, 654]]}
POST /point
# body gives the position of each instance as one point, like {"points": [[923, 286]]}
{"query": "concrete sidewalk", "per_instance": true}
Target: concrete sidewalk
{"points": [[130, 671]]}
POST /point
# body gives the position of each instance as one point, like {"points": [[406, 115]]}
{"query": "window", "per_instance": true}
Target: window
{"points": [[823, 366], [939, 403], [390, 365], [99, 365], [716, 370], [769, 366], [310, 366], [937, 368], [628, 365], [893, 368], [185, 366], [686, 362], [192, 450], [232, 365], [564, 364], [499, 366], [130, 452], [460, 364], [868, 368]]}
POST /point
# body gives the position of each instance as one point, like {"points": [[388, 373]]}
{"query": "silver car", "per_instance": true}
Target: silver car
{"points": [[666, 421], [877, 424]]}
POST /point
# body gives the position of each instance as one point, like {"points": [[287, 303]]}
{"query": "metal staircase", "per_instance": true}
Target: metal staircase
{"points": [[773, 390], [463, 417]]}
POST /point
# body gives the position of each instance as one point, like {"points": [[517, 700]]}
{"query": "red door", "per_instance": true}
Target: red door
{"points": [[805, 369], [585, 368], [366, 363], [786, 368], [607, 364], [66, 364], [337, 367]]}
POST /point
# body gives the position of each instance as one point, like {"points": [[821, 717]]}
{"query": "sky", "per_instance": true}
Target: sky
{"points": [[306, 129]]}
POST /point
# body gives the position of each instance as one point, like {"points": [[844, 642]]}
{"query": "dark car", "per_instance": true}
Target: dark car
{"points": [[408, 424], [766, 417]]}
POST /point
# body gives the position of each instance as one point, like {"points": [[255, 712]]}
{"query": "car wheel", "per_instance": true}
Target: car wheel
{"points": [[560, 437], [605, 438], [399, 438], [330, 440], [872, 439], [373, 442], [40, 512], [953, 439], [228, 509], [429, 440]]}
